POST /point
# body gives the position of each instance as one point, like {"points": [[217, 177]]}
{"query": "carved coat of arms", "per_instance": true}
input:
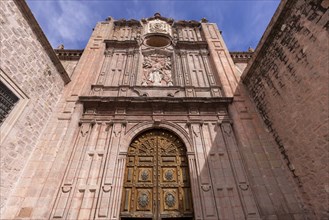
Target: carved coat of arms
{"points": [[158, 27], [157, 71]]}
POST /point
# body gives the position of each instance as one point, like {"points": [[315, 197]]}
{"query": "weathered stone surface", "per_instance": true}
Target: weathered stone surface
{"points": [[288, 81], [27, 65]]}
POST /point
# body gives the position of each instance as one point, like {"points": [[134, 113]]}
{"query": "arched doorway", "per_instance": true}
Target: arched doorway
{"points": [[157, 183]]}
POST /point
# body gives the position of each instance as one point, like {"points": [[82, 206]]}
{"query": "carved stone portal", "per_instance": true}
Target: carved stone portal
{"points": [[157, 70], [157, 183]]}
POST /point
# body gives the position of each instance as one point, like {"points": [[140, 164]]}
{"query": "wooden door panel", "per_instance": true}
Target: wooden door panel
{"points": [[169, 200], [156, 178], [144, 200], [169, 175], [145, 175]]}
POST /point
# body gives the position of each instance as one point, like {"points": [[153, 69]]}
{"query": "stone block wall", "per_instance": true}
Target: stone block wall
{"points": [[31, 69], [273, 186], [288, 81], [69, 65]]}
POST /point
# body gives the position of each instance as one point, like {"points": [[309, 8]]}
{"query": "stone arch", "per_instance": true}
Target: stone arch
{"points": [[142, 127]]}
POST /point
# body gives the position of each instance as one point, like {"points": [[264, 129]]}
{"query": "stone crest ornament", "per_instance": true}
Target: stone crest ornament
{"points": [[157, 27], [143, 200], [157, 71]]}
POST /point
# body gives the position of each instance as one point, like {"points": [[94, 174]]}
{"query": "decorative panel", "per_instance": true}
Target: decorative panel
{"points": [[197, 70]]}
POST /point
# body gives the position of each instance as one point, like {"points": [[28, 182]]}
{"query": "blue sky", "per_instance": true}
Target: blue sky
{"points": [[70, 22]]}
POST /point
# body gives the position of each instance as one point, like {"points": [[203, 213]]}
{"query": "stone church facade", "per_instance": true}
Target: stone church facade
{"points": [[155, 119]]}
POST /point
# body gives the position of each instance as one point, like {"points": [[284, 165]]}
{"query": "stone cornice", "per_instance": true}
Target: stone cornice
{"points": [[185, 23], [26, 12], [201, 100], [64, 54], [130, 23], [241, 56]]}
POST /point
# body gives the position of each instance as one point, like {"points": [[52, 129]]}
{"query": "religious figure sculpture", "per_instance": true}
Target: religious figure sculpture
{"points": [[156, 77]]}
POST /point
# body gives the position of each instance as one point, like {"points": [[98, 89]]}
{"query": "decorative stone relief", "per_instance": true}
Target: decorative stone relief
{"points": [[84, 129], [157, 70], [158, 26], [227, 129], [206, 188]]}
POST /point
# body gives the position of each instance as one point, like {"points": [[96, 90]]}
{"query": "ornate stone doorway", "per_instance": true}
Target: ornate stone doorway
{"points": [[157, 183]]}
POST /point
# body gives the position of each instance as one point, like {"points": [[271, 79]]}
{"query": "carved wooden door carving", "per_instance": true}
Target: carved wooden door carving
{"points": [[156, 184]]}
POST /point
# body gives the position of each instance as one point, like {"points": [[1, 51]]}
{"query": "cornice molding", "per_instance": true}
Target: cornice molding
{"points": [[211, 100], [64, 54], [130, 23], [241, 56], [186, 23]]}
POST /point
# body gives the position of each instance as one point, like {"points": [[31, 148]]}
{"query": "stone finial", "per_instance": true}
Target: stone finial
{"points": [[61, 47], [157, 14], [250, 49], [204, 20]]}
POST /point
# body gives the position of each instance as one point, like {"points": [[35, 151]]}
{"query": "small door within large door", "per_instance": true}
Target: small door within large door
{"points": [[156, 183]]}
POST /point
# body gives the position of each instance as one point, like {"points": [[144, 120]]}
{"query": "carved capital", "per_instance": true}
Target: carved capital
{"points": [[227, 129], [84, 129], [204, 53], [130, 52], [108, 53], [183, 53]]}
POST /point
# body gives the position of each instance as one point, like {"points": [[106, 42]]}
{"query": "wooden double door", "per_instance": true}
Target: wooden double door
{"points": [[157, 182]]}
